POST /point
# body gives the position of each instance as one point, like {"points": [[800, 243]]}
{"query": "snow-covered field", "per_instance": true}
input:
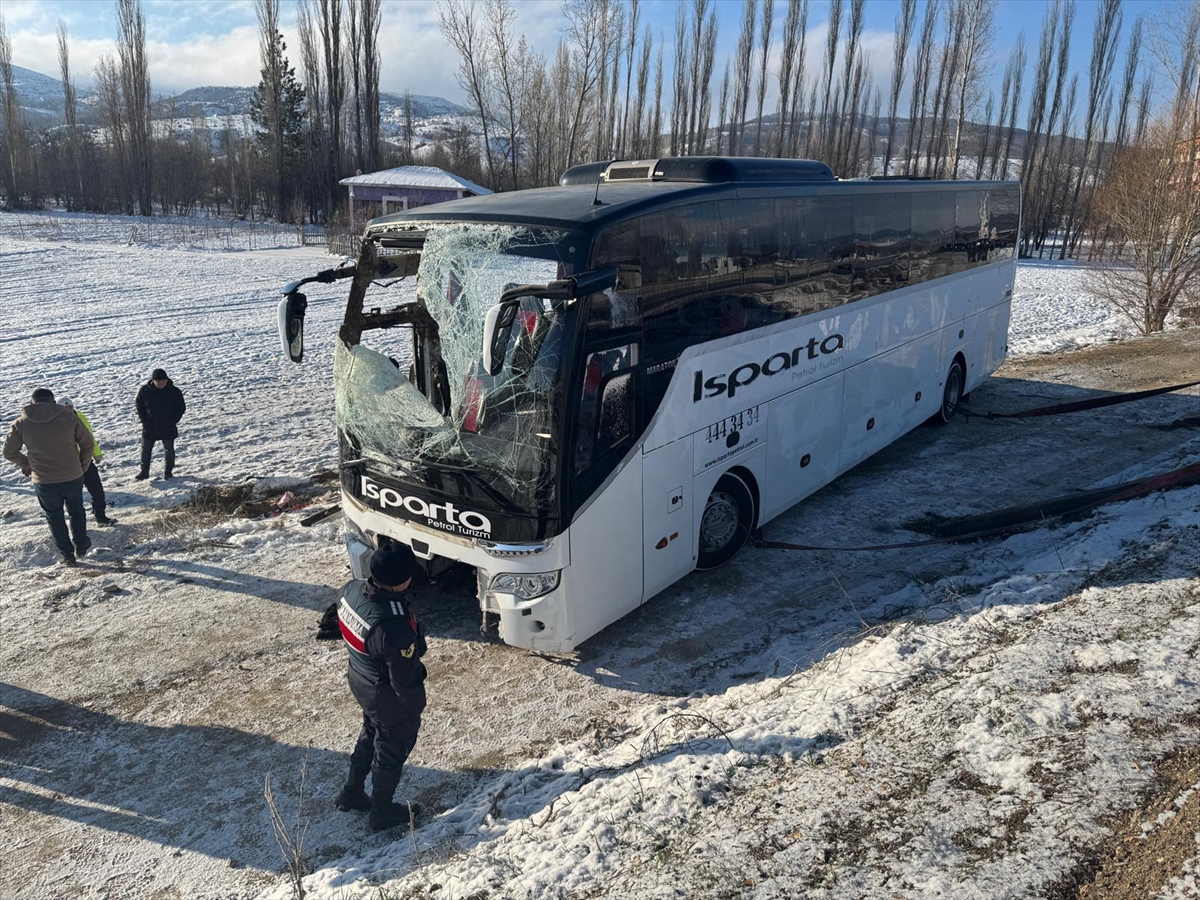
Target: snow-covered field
{"points": [[956, 721]]}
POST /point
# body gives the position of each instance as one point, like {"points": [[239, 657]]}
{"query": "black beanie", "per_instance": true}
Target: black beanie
{"points": [[393, 564], [157, 374], [43, 395]]}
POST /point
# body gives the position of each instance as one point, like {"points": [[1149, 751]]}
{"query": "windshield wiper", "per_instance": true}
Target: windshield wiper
{"points": [[479, 481]]}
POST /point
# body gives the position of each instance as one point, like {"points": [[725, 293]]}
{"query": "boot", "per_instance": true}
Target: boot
{"points": [[141, 476], [82, 549], [387, 814], [352, 797]]}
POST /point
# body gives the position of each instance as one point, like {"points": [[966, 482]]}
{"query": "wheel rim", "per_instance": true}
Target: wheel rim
{"points": [[719, 523], [953, 392]]}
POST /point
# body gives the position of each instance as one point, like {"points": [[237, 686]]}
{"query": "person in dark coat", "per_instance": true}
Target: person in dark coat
{"points": [[160, 406], [387, 679]]}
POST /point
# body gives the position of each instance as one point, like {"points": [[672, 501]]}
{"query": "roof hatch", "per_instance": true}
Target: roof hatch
{"points": [[699, 170]]}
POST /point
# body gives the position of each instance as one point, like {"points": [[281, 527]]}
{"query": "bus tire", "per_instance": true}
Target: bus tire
{"points": [[952, 394], [726, 522]]}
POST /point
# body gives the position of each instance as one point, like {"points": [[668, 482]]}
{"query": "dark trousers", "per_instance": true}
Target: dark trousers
{"points": [[91, 481], [52, 498], [168, 451], [387, 736]]}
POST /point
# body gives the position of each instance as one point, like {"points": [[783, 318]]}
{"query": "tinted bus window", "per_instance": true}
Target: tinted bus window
{"points": [[933, 234], [1005, 216], [971, 228], [832, 269], [882, 225], [795, 289]]}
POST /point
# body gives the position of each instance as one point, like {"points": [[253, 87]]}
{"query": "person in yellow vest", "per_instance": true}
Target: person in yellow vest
{"points": [[91, 478]]}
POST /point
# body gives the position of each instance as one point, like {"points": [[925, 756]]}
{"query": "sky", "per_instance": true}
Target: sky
{"points": [[215, 42]]}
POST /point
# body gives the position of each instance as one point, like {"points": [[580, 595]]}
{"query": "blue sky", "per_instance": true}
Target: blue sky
{"points": [[199, 42]]}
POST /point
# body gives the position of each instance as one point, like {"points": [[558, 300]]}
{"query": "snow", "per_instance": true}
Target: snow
{"points": [[961, 721]]}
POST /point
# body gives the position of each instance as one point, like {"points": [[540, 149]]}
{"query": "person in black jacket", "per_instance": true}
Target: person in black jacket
{"points": [[387, 679], [160, 406]]}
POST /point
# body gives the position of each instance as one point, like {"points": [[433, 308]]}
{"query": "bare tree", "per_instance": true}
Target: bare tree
{"points": [[723, 109], [791, 64], [708, 50], [922, 69], [978, 30], [335, 90], [1104, 57], [831, 46], [71, 114], [838, 146], [631, 46], [15, 140], [269, 97], [354, 53], [905, 21], [1014, 74], [1133, 53], [316, 150], [587, 22], [460, 26], [371, 19], [1149, 200], [742, 77], [679, 91], [135, 89], [510, 72], [696, 86], [639, 108], [764, 38], [656, 121]]}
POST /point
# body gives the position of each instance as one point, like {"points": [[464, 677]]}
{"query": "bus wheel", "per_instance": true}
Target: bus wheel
{"points": [[952, 395], [726, 523]]}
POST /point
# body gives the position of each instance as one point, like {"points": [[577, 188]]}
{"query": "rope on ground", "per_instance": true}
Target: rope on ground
{"points": [[1078, 405], [1006, 520]]}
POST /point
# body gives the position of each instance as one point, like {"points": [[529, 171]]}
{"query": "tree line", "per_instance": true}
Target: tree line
{"points": [[600, 94], [283, 160]]}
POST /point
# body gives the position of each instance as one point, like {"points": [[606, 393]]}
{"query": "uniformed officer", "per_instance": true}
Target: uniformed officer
{"points": [[387, 679]]}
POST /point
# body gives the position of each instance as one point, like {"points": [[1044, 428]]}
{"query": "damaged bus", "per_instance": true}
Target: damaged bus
{"points": [[587, 391]]}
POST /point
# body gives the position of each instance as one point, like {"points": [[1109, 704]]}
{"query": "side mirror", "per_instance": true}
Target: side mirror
{"points": [[291, 325], [595, 281], [495, 335]]}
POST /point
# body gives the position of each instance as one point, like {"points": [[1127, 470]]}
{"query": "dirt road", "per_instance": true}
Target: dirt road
{"points": [[138, 725]]}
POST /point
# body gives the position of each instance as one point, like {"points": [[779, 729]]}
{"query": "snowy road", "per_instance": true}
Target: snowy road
{"points": [[147, 695]]}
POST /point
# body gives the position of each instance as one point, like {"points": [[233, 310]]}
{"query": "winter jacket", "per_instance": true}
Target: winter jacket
{"points": [[57, 446], [385, 641], [160, 410], [97, 453]]}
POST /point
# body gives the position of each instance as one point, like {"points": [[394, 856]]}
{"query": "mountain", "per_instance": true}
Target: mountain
{"points": [[211, 100], [41, 96]]}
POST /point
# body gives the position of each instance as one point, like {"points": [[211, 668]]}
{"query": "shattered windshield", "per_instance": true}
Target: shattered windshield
{"points": [[501, 428]]}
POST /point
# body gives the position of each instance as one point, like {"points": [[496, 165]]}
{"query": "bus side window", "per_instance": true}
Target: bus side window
{"points": [[606, 409], [1005, 214], [969, 228]]}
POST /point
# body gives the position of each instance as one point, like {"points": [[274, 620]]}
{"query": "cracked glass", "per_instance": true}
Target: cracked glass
{"points": [[503, 427]]}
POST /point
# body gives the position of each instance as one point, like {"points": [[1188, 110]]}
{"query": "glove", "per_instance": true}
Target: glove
{"points": [[26, 471]]}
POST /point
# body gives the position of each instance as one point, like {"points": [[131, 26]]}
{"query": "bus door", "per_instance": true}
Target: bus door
{"points": [[606, 530]]}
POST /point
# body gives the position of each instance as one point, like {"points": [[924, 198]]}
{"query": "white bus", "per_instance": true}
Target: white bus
{"points": [[600, 386]]}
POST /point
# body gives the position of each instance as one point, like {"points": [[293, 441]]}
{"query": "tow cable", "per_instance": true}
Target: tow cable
{"points": [[1077, 406], [1005, 520]]}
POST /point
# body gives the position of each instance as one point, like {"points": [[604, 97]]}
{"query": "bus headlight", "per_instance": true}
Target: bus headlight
{"points": [[526, 587]]}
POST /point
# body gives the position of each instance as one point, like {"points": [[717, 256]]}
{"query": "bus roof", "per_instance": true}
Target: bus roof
{"points": [[574, 207]]}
